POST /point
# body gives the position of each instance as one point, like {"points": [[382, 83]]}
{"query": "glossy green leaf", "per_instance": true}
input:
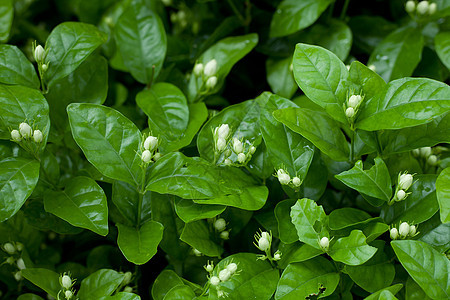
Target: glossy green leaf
{"points": [[280, 77], [414, 291], [442, 45], [352, 250], [301, 279], [435, 233], [165, 281], [318, 128], [309, 221], [68, 45], [420, 206], [322, 77], [374, 182], [374, 229], [426, 266], [180, 292], [296, 252], [18, 177], [29, 296], [6, 19], [101, 283], [443, 194], [43, 278], [108, 139], [367, 80], [189, 211], [126, 199], [291, 16], [140, 245], [141, 41], [398, 54], [197, 235], [21, 104], [256, 279], [379, 294], [122, 296], [404, 103], [15, 68], [82, 204], [346, 217], [287, 231], [227, 52]]}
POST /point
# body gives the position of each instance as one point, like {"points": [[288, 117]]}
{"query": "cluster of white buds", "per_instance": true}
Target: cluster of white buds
{"points": [[222, 275], [426, 154], [220, 225], [208, 73], [14, 249], [351, 109], [25, 132], [285, 179], [404, 230], [324, 243], [263, 241], [150, 150], [66, 284], [243, 150], [179, 17], [221, 136], [422, 8], [404, 182], [40, 56]]}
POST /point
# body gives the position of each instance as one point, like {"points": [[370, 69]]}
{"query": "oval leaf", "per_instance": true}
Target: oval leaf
{"points": [[15, 68], [101, 283], [352, 250]]}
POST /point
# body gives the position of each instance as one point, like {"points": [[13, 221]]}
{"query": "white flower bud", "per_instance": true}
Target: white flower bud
{"points": [[221, 144], [220, 294], [252, 149], [263, 244], [412, 230], [404, 229], [214, 280], [348, 67], [209, 268], [10, 260], [146, 156], [350, 112], [416, 152], [39, 54], [237, 146], [198, 69], [38, 136], [220, 224], [241, 158], [225, 235], [210, 68], [401, 195], [196, 252], [422, 7], [18, 276], [354, 100], [223, 130], [432, 8], [150, 143], [232, 268], [410, 6], [227, 162], [432, 160], [224, 275], [211, 82], [128, 289], [405, 181], [296, 181], [15, 136], [227, 153], [372, 67], [9, 248], [19, 246], [25, 130], [20, 264], [284, 178], [425, 151], [66, 282], [127, 278], [68, 294], [44, 67], [166, 2], [393, 233], [266, 235], [324, 243], [277, 255], [156, 156]]}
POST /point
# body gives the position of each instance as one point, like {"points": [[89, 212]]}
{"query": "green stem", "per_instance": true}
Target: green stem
{"points": [[344, 9], [352, 146], [236, 11]]}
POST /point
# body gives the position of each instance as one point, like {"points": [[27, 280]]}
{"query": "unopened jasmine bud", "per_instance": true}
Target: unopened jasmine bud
{"points": [[10, 260], [432, 160], [38, 136], [225, 235], [221, 144], [210, 68], [354, 100], [66, 282], [39, 54], [227, 153], [127, 278], [227, 162], [410, 6], [263, 244], [220, 224], [156, 156], [15, 136], [296, 181], [401, 195], [25, 130], [128, 289], [20, 264], [412, 230], [167, 2], [372, 67], [196, 252], [223, 130], [348, 67], [237, 146], [68, 294], [277, 255], [425, 151], [211, 82], [18, 276], [44, 67], [393, 233], [9, 248], [232, 268], [241, 158], [150, 143], [405, 181], [350, 112], [224, 275], [198, 69], [146, 156], [252, 149], [214, 280], [432, 8], [19, 246], [416, 152], [324, 243], [209, 267], [266, 235], [422, 7], [283, 177], [403, 230]]}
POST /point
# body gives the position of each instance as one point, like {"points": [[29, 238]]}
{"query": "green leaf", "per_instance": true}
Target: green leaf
{"points": [[398, 54], [414, 292], [301, 279], [287, 230], [367, 80], [443, 194], [322, 77], [108, 139], [374, 182], [292, 16], [420, 206], [29, 296], [318, 128], [435, 233], [139, 245], [15, 68], [280, 77], [18, 177], [442, 46], [309, 221], [126, 198], [141, 40], [101, 283], [296, 252], [180, 292], [68, 45], [122, 296], [82, 204], [256, 279], [197, 235], [189, 211], [426, 266], [405, 102], [6, 19], [21, 104], [43, 278], [165, 281], [379, 294], [346, 217], [227, 52], [352, 250]]}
